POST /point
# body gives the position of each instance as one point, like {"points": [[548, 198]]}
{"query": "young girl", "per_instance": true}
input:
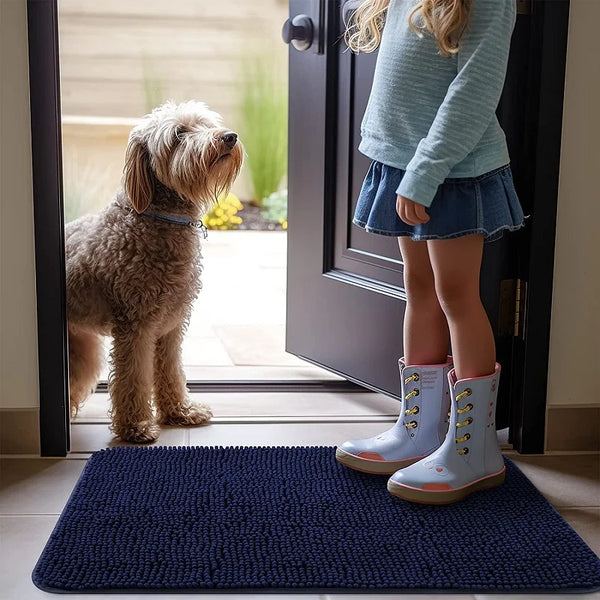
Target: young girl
{"points": [[441, 182]]}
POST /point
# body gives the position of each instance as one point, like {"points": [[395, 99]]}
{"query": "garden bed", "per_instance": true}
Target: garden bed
{"points": [[253, 219]]}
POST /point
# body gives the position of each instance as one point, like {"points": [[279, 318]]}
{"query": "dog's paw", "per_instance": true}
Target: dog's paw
{"points": [[77, 400], [74, 409], [189, 414], [144, 432]]}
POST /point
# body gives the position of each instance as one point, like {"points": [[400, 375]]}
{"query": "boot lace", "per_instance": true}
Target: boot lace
{"points": [[467, 421], [415, 409]]}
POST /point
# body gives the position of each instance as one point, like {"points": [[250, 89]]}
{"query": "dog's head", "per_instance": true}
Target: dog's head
{"points": [[187, 149]]}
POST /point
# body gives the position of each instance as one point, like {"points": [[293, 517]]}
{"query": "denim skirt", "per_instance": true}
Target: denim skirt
{"points": [[487, 204]]}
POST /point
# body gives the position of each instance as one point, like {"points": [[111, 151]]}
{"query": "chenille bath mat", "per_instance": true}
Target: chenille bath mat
{"points": [[293, 519]]}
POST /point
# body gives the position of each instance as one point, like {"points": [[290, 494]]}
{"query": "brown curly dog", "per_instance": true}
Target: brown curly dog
{"points": [[133, 270]]}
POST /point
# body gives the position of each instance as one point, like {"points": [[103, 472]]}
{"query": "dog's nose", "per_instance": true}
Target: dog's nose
{"points": [[229, 139]]}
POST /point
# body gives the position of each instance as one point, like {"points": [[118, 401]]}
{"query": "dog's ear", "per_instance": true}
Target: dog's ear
{"points": [[138, 175]]}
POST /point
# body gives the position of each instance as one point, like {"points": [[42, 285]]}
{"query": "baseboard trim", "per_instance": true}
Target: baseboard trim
{"points": [[573, 428], [20, 431]]}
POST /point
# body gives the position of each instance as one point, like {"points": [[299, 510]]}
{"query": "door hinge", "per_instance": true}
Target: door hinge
{"points": [[520, 309], [513, 306], [524, 7]]}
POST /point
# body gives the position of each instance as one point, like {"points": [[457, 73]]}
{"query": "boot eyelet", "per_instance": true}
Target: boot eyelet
{"points": [[467, 392], [467, 408], [412, 411], [465, 422], [413, 377], [408, 396], [411, 425], [463, 451]]}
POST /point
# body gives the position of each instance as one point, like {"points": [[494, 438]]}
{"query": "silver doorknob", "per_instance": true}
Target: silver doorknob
{"points": [[298, 32]]}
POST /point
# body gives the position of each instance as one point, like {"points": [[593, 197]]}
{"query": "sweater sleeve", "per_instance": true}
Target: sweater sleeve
{"points": [[469, 104]]}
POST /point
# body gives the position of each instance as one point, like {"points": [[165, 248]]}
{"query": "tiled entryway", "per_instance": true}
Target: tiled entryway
{"points": [[237, 333], [33, 491]]}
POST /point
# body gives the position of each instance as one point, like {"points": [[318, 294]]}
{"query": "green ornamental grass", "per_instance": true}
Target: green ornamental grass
{"points": [[264, 123]]}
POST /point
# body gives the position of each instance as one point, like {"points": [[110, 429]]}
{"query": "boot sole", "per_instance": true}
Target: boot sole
{"points": [[445, 496], [375, 467]]}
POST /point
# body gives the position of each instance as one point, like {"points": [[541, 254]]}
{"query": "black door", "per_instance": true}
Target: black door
{"points": [[346, 299]]}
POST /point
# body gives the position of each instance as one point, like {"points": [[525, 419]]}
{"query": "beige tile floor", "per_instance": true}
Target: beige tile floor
{"points": [[33, 491]]}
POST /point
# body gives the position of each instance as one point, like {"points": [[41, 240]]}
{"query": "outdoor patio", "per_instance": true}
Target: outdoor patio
{"points": [[112, 73], [237, 331]]}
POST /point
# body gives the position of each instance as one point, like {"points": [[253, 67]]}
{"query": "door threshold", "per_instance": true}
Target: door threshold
{"points": [[265, 385], [275, 419]]}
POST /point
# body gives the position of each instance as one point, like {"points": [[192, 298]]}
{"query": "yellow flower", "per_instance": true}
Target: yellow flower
{"points": [[223, 215]]}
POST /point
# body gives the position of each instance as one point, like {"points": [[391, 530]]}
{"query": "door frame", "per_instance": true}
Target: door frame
{"points": [[544, 113], [531, 348], [48, 217]]}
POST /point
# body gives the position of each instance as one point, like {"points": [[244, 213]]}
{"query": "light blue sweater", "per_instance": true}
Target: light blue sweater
{"points": [[432, 115]]}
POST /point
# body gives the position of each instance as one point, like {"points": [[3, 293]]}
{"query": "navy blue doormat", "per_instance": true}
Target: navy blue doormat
{"points": [[294, 520]]}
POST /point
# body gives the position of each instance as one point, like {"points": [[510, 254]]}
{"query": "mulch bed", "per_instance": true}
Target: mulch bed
{"points": [[252, 219]]}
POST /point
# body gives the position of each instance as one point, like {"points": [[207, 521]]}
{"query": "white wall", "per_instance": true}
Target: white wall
{"points": [[18, 334], [574, 369]]}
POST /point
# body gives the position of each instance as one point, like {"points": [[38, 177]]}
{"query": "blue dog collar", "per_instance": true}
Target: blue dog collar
{"points": [[179, 221]]}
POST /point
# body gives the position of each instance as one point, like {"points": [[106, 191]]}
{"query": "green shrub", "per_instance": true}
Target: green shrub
{"points": [[154, 89], [264, 123], [275, 208]]}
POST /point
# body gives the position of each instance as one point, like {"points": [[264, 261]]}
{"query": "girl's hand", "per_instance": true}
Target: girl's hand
{"points": [[412, 213]]}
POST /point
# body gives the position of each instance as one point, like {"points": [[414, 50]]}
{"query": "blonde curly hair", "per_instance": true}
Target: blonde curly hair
{"points": [[447, 20]]}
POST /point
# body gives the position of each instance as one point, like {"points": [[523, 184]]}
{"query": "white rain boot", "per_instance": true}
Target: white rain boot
{"points": [[469, 459], [420, 429]]}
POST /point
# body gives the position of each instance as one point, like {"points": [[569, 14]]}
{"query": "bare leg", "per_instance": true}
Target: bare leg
{"points": [[130, 385], [170, 392], [456, 264], [426, 336]]}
